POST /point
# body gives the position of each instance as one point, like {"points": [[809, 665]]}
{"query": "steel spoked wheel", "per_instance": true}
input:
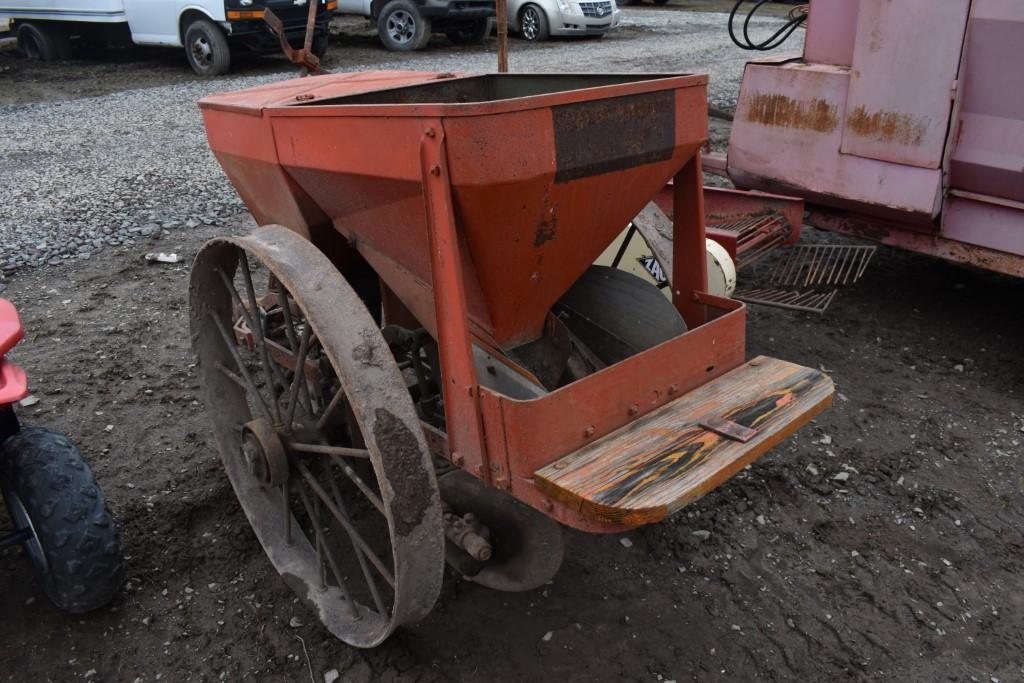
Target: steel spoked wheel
{"points": [[317, 433]]}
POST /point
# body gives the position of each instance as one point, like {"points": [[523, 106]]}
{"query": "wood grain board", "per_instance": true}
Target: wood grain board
{"points": [[665, 460]]}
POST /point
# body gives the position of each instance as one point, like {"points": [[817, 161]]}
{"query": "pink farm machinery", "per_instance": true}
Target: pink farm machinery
{"points": [[902, 123]]}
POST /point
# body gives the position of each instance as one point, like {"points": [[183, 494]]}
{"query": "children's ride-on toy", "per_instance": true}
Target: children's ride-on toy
{"points": [[416, 361], [58, 513]]}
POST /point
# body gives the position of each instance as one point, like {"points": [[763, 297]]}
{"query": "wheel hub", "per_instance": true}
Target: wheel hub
{"points": [[264, 454]]}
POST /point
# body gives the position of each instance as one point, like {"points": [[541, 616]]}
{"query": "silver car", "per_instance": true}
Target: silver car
{"points": [[538, 19]]}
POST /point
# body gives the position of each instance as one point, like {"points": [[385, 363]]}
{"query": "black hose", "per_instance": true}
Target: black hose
{"points": [[773, 41]]}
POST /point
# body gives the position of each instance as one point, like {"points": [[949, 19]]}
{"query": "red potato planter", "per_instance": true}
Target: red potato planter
{"points": [[415, 360]]}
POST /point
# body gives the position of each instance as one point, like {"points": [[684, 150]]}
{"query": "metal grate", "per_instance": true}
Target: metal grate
{"points": [[807, 265], [596, 9], [812, 302], [756, 237], [806, 277]]}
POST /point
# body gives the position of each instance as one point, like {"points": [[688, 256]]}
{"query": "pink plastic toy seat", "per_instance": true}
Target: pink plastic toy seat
{"points": [[11, 330]]}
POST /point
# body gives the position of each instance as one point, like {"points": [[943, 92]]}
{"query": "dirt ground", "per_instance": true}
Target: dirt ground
{"points": [[910, 569]]}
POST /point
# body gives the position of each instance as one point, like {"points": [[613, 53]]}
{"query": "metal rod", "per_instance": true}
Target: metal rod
{"points": [[353, 612], [329, 450], [338, 395], [367, 574], [286, 312], [357, 540], [300, 374], [244, 371], [257, 331], [360, 484]]}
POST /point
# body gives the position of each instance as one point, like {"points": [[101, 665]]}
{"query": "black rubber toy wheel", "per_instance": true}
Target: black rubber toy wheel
{"points": [[76, 547], [44, 43], [207, 48], [402, 28], [533, 23], [617, 314], [470, 34]]}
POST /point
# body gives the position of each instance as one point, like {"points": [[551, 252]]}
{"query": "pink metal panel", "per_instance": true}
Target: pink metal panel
{"points": [[905, 64], [787, 136], [989, 155], [830, 37], [986, 224]]}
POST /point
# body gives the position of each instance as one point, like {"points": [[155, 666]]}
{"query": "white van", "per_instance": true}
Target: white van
{"points": [[209, 30]]}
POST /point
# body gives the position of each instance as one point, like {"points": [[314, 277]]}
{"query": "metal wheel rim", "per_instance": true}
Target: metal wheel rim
{"points": [[409, 503], [20, 520], [531, 23], [401, 26], [201, 50]]}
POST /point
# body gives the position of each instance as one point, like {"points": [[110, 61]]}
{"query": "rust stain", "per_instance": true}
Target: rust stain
{"points": [[888, 126], [772, 109]]}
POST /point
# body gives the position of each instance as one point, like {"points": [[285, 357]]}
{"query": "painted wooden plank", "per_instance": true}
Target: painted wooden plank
{"points": [[665, 460]]}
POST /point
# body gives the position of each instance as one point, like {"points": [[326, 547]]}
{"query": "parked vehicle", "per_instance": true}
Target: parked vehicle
{"points": [[406, 25], [540, 19], [209, 30], [58, 513]]}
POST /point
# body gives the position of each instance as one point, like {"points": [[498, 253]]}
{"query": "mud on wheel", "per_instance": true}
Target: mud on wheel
{"points": [[317, 433]]}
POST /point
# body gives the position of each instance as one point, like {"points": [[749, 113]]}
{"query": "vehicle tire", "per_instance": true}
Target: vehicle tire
{"points": [[533, 23], [470, 34], [320, 45], [44, 43], [75, 548], [402, 28], [617, 314], [207, 48]]}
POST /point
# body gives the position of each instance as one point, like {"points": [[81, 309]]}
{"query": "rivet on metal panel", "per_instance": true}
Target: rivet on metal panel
{"points": [[458, 460], [673, 389], [634, 409], [435, 170], [431, 133], [560, 465], [303, 97], [588, 432]]}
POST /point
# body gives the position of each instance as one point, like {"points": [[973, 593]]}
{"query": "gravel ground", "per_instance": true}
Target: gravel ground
{"points": [[87, 173]]}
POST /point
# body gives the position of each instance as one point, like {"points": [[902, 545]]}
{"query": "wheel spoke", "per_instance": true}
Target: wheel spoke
{"points": [[245, 378], [357, 540], [273, 372], [322, 422], [300, 374], [367, 574], [329, 450], [255, 328], [323, 550], [360, 484], [286, 312]]}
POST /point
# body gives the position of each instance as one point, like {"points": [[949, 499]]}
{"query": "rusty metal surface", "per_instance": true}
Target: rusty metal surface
{"points": [[380, 402], [897, 235], [303, 57], [727, 428], [632, 130], [808, 265]]}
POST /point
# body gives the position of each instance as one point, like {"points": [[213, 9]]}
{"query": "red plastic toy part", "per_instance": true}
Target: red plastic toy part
{"points": [[11, 330], [13, 383]]}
